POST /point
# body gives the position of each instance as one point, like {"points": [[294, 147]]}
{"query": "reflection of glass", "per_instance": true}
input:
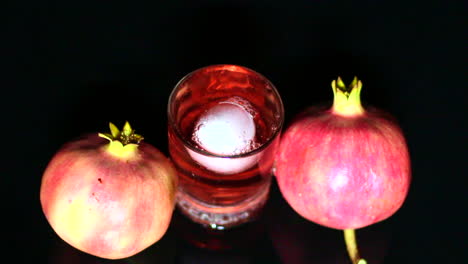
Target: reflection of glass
{"points": [[224, 126], [245, 237], [164, 251]]}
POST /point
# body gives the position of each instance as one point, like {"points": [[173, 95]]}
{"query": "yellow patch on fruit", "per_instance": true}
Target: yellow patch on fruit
{"points": [[74, 219]]}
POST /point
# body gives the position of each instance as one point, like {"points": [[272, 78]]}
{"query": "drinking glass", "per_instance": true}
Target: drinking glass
{"points": [[224, 124]]}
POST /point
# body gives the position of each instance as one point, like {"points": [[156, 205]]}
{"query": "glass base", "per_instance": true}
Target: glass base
{"points": [[221, 217]]}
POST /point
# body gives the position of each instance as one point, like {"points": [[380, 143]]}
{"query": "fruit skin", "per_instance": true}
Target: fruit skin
{"points": [[343, 171], [108, 206]]}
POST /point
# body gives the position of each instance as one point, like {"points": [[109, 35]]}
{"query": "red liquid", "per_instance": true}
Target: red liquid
{"points": [[216, 199]]}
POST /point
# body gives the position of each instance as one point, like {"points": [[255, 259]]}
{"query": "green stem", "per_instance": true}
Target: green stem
{"points": [[351, 246]]}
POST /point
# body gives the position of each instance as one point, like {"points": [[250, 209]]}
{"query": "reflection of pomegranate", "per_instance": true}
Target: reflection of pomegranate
{"points": [[110, 200], [64, 253], [344, 167]]}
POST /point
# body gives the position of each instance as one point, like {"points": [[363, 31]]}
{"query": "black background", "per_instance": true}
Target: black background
{"points": [[71, 67]]}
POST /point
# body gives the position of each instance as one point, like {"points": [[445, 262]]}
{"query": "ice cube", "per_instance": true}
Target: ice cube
{"points": [[225, 129]]}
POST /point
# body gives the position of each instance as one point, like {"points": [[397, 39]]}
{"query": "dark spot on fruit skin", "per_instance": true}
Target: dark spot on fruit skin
{"points": [[94, 195], [99, 180]]}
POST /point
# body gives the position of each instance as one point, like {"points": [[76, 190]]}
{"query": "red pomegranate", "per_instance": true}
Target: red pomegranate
{"points": [[109, 199], [344, 167]]}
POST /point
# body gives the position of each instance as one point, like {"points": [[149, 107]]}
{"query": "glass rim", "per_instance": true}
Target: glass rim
{"points": [[203, 152]]}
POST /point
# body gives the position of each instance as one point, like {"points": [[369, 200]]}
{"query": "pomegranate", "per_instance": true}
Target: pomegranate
{"points": [[109, 199], [344, 167]]}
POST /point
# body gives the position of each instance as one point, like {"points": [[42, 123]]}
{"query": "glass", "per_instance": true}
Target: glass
{"points": [[224, 128]]}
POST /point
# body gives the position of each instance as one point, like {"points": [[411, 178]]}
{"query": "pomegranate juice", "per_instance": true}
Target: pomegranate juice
{"points": [[224, 125]]}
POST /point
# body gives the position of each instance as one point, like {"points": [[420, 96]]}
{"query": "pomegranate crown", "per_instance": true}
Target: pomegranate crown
{"points": [[123, 143], [126, 136], [347, 99]]}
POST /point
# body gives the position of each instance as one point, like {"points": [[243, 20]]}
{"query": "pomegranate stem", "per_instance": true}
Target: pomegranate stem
{"points": [[351, 246]]}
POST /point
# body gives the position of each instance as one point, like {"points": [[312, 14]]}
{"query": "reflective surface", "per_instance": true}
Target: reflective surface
{"points": [[71, 67], [278, 236]]}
